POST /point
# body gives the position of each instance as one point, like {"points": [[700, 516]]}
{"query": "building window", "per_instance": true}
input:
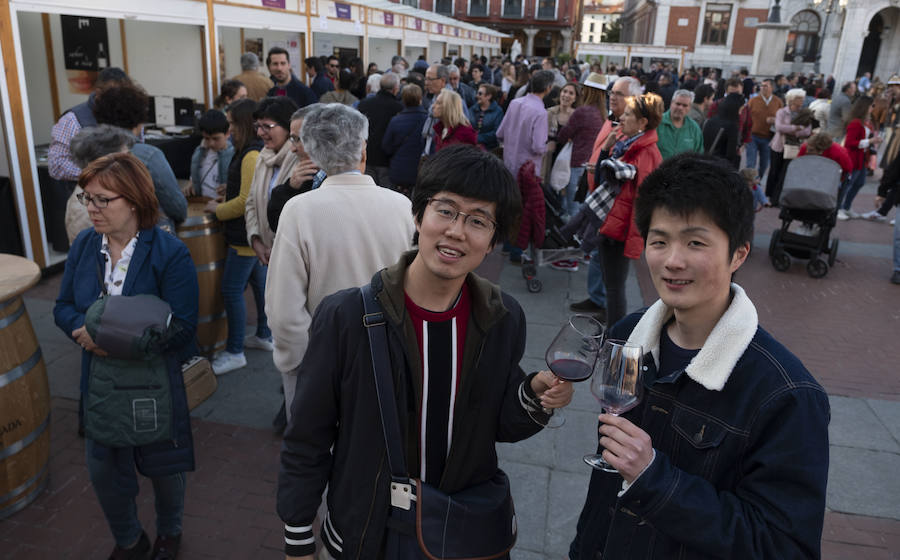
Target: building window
{"points": [[803, 39], [478, 8], [413, 3], [546, 9], [590, 38], [444, 7], [513, 8], [715, 24], [592, 27]]}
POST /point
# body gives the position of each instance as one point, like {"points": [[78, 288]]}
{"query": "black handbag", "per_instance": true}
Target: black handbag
{"points": [[581, 193], [477, 523]]}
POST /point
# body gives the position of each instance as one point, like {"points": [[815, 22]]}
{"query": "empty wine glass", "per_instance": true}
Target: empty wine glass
{"points": [[572, 354], [617, 384]]}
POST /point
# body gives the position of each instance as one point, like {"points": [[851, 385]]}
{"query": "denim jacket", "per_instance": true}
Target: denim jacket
{"points": [[741, 440]]}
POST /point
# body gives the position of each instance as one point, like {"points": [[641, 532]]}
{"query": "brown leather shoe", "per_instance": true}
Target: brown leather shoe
{"points": [[166, 548]]}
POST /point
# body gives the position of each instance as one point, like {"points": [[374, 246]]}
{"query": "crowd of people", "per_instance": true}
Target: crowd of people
{"points": [[403, 181]]}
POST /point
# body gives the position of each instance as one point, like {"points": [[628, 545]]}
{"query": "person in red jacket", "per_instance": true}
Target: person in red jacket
{"points": [[822, 144], [860, 137], [634, 142], [452, 126]]}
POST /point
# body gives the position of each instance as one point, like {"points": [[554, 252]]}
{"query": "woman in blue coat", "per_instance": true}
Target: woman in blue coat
{"points": [[131, 255], [486, 116], [403, 141]]}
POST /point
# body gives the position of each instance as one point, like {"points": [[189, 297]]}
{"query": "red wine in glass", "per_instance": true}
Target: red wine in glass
{"points": [[570, 369], [572, 354]]}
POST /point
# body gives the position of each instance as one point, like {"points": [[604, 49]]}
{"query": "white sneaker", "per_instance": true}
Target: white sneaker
{"points": [[874, 216], [254, 341], [226, 361], [854, 215], [842, 215]]}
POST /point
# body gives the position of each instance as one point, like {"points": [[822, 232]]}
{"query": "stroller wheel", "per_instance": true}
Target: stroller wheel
{"points": [[535, 285], [781, 261], [529, 271], [832, 251], [776, 240], [817, 267]]}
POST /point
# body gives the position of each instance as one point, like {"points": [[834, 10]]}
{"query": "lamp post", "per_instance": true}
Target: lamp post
{"points": [[829, 7]]}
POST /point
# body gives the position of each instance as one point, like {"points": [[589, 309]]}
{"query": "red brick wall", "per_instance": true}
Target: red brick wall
{"points": [[745, 37], [683, 36]]}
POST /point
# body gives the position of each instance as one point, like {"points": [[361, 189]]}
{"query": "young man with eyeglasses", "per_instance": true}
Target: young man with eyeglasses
{"points": [[455, 342]]}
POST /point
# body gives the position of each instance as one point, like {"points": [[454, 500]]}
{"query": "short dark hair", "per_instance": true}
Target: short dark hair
{"points": [[541, 81], [279, 109], [476, 67], [467, 171], [314, 63], [112, 74], [346, 80], [277, 50], [121, 104], [689, 182], [213, 122], [733, 83], [702, 92], [847, 85]]}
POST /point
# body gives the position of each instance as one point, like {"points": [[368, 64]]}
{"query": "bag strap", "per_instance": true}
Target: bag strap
{"points": [[376, 329]]}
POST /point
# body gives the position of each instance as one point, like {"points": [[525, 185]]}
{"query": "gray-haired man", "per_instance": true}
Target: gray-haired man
{"points": [[256, 83], [325, 240]]}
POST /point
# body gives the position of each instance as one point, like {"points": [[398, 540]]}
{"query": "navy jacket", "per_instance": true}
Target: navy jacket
{"points": [[490, 122], [379, 109], [321, 85], [741, 440], [161, 265], [296, 90], [403, 143]]}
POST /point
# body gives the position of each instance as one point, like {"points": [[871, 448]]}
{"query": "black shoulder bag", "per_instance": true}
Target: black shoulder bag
{"points": [[478, 523]]}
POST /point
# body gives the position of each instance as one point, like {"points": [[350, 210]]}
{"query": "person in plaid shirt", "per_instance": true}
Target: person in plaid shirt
{"points": [[59, 159]]}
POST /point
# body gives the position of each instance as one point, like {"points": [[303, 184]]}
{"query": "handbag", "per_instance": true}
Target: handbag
{"points": [[560, 173], [477, 523], [582, 191], [791, 151]]}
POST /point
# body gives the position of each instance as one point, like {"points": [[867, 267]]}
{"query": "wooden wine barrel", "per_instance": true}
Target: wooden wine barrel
{"points": [[24, 393], [205, 238]]}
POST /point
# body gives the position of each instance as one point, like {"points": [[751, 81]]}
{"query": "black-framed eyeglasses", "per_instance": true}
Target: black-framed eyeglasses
{"points": [[267, 127], [447, 212], [333, 66], [100, 202], [294, 139]]}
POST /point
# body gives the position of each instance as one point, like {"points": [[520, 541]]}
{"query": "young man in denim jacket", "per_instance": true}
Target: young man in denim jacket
{"points": [[727, 454]]}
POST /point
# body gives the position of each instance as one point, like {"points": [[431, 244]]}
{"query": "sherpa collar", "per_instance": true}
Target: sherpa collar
{"points": [[725, 345]]}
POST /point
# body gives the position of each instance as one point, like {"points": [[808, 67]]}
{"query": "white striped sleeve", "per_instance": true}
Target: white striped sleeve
{"points": [[299, 540]]}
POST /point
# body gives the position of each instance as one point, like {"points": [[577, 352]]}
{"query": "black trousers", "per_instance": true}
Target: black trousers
{"points": [[775, 182], [615, 273]]}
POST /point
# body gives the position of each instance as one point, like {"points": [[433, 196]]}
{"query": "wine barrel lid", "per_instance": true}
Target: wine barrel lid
{"points": [[17, 274]]}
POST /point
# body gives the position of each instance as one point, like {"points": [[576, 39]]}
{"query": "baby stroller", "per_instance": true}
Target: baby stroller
{"points": [[810, 195], [539, 227]]}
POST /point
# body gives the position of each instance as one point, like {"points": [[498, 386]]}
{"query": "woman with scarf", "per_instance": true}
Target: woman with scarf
{"points": [[861, 136], [633, 142], [786, 132], [272, 121]]}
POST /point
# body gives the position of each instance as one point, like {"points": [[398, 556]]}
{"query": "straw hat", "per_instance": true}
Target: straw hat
{"points": [[599, 81], [894, 81]]}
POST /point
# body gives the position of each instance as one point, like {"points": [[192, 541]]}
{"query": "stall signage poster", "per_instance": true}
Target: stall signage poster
{"points": [[440, 28], [342, 10], [86, 50], [418, 24], [456, 31], [273, 3], [388, 19]]}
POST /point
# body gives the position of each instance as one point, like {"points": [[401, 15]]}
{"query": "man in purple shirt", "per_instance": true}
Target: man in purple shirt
{"points": [[524, 128]]}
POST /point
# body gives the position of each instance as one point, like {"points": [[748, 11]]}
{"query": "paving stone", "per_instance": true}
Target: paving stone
{"points": [[529, 490], [567, 492], [889, 414], [864, 482], [855, 424]]}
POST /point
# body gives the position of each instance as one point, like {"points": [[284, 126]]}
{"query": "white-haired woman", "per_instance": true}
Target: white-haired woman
{"points": [[452, 126], [784, 130]]}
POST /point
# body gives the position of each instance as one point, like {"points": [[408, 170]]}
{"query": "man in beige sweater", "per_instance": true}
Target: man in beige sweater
{"points": [[331, 238]]}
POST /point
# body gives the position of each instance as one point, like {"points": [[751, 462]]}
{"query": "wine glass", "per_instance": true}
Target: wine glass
{"points": [[616, 384], [572, 354]]}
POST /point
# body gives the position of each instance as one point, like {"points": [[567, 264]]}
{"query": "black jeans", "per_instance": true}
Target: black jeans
{"points": [[615, 273], [776, 177]]}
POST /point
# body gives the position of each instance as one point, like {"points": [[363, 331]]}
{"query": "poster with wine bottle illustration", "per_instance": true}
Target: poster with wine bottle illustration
{"points": [[86, 50]]}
